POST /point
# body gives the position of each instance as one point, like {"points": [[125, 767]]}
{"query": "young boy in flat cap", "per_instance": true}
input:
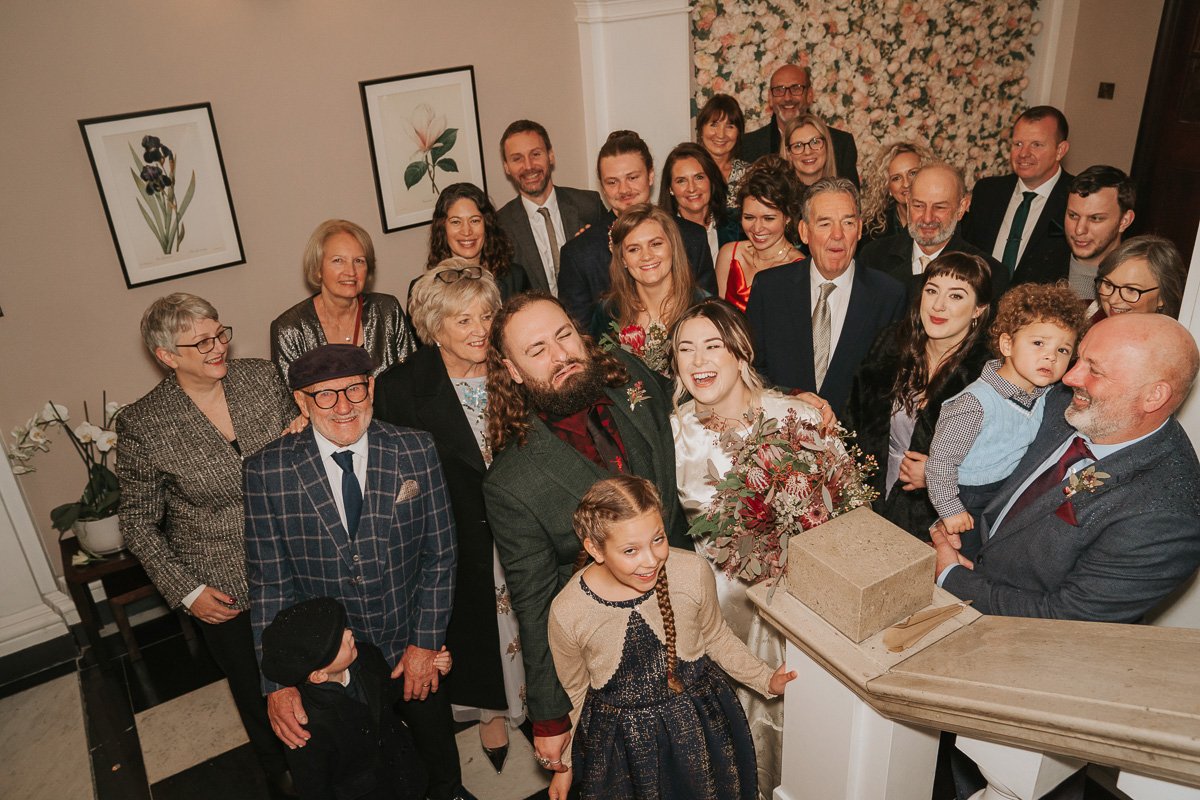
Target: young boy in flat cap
{"points": [[359, 748]]}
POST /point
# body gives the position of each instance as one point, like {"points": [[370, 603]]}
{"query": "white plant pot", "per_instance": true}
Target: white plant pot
{"points": [[100, 536]]}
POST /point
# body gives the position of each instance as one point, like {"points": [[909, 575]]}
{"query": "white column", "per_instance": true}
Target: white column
{"points": [[1016, 774], [1139, 787], [635, 59], [32, 609], [835, 745]]}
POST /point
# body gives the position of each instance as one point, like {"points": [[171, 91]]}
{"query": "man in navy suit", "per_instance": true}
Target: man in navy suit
{"points": [[542, 217], [814, 320], [1101, 519], [357, 510], [1018, 217], [789, 96]]}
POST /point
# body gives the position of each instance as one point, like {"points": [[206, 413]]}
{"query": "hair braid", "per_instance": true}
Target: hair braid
{"points": [[668, 619]]}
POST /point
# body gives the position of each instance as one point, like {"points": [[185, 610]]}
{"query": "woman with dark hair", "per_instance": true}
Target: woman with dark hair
{"points": [[914, 366], [885, 188], [626, 171], [692, 188], [338, 261], [769, 201], [719, 129], [1143, 275], [465, 226], [651, 285]]}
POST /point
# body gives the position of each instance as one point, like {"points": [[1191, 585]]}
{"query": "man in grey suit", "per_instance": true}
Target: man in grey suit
{"points": [[542, 217], [937, 201], [1101, 519], [562, 414], [357, 510]]}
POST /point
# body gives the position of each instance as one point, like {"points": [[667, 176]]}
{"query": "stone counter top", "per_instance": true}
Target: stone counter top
{"points": [[1125, 695]]}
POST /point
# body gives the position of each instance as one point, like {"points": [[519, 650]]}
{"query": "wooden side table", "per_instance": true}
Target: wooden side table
{"points": [[124, 581]]}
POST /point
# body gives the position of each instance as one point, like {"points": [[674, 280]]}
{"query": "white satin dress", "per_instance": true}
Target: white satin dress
{"points": [[695, 446]]}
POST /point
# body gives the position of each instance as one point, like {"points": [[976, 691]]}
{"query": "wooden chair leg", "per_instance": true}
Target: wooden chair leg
{"points": [[122, 620]]}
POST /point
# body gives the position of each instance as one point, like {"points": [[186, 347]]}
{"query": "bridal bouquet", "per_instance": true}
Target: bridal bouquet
{"points": [[786, 477]]}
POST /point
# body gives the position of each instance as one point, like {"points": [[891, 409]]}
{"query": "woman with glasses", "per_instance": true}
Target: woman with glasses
{"points": [[465, 226], [179, 463], [1143, 275], [720, 126], [338, 261], [885, 199], [442, 389], [809, 147]]}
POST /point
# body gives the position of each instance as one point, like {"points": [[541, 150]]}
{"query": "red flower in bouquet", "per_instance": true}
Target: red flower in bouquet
{"points": [[756, 514]]}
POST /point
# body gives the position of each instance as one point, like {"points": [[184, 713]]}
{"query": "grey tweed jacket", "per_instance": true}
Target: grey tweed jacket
{"points": [[181, 482]]}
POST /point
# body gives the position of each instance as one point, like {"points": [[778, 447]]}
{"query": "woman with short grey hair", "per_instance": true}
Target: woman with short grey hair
{"points": [[179, 464], [338, 262], [442, 389]]}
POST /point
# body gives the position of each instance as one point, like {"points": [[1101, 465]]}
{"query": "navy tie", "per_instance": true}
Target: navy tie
{"points": [[352, 497]]}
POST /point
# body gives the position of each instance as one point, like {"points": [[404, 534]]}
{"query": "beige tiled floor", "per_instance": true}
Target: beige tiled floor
{"points": [[44, 745], [521, 776], [189, 730]]}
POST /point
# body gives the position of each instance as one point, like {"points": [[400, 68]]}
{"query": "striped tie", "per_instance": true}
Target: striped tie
{"points": [[821, 333]]}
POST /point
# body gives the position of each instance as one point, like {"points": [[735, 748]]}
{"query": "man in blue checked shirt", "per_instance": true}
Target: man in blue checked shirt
{"points": [[357, 510]]}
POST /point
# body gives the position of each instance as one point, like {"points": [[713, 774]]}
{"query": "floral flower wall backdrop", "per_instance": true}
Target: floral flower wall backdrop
{"points": [[947, 73]]}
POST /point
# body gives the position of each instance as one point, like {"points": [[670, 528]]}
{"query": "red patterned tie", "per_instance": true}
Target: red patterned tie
{"points": [[1053, 475]]}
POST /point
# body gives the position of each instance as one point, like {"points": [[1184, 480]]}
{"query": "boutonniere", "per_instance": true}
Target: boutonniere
{"points": [[1086, 480], [636, 394]]}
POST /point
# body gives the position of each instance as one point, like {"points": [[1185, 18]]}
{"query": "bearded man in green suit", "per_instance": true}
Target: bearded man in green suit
{"points": [[562, 414]]}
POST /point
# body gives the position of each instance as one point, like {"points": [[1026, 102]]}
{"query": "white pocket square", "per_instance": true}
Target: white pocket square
{"points": [[408, 490]]}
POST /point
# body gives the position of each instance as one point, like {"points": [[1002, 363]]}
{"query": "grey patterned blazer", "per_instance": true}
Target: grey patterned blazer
{"points": [[386, 332], [181, 482]]}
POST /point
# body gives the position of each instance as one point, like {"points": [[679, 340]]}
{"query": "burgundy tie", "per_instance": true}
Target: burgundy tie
{"points": [[1053, 475]]}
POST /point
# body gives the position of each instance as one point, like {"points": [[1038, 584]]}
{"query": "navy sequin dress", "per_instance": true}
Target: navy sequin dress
{"points": [[638, 740]]}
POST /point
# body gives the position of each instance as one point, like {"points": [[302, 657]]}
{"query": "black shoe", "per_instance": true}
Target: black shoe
{"points": [[281, 785], [496, 755]]}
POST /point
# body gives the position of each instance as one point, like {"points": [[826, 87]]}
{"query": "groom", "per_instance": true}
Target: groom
{"points": [[562, 414]]}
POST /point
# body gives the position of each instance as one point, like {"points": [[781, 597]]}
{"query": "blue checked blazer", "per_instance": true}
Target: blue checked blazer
{"points": [[395, 578]]}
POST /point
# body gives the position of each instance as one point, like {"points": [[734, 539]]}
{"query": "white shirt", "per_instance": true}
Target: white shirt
{"points": [[713, 244], [538, 224], [918, 254], [838, 301], [327, 448], [1035, 211]]}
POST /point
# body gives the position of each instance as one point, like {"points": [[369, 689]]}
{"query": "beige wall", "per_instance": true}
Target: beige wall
{"points": [[282, 77], [1114, 43]]}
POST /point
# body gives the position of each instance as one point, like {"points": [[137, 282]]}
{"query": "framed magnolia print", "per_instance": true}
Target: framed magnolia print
{"points": [[164, 190], [423, 133]]}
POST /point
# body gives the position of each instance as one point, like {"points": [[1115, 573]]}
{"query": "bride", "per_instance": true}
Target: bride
{"points": [[712, 349]]}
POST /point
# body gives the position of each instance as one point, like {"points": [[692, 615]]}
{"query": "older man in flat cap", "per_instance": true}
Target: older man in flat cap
{"points": [[357, 510]]}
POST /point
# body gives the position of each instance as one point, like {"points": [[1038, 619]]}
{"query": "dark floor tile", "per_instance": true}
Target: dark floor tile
{"points": [[116, 752], [37, 678], [233, 775], [169, 668]]}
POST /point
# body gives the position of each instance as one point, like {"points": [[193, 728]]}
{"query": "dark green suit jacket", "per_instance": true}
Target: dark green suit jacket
{"points": [[531, 492]]}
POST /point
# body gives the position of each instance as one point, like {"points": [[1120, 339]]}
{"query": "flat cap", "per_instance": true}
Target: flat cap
{"points": [[302, 638], [327, 362]]}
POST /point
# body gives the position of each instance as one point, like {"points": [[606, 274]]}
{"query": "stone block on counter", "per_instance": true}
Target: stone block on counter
{"points": [[860, 573]]}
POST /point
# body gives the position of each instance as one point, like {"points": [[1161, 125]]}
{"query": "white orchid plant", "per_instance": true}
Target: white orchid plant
{"points": [[93, 443]]}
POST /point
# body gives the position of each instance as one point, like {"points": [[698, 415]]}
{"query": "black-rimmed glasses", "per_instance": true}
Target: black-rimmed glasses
{"points": [[795, 90], [206, 344], [328, 398], [816, 144], [456, 275], [1130, 294]]}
